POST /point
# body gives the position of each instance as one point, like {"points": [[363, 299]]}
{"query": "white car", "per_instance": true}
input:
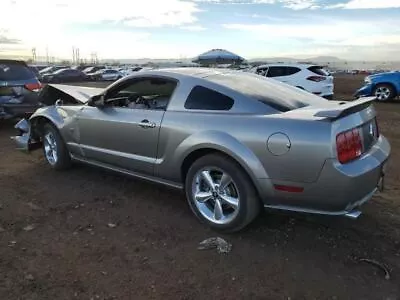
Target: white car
{"points": [[312, 78], [129, 70], [110, 74]]}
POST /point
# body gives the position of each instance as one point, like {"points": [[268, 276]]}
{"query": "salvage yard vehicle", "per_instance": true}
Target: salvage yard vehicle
{"points": [[65, 75], [382, 86], [19, 89], [233, 141], [312, 78], [106, 74]]}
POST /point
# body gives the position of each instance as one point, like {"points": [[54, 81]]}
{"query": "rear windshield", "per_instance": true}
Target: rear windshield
{"points": [[15, 71], [319, 70], [277, 95]]}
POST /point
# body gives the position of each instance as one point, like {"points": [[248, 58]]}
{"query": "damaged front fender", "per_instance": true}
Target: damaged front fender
{"points": [[24, 141]]}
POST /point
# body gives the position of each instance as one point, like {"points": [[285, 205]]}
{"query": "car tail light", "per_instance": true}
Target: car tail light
{"points": [[349, 145], [34, 87], [316, 78]]}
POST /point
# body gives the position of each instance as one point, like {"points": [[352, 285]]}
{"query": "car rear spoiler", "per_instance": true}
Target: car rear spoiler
{"points": [[345, 108]]}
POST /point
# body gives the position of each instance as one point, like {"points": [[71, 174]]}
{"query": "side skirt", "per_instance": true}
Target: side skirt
{"points": [[171, 184]]}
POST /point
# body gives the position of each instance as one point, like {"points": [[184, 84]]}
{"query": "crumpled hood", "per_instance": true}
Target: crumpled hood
{"points": [[78, 94]]}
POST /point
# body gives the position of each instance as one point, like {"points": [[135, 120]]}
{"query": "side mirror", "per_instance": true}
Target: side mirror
{"points": [[97, 101]]}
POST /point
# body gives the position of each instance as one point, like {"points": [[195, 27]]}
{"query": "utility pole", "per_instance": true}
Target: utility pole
{"points": [[77, 56], [34, 55], [47, 55]]}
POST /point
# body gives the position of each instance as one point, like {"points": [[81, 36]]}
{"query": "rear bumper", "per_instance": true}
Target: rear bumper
{"points": [[340, 189]]}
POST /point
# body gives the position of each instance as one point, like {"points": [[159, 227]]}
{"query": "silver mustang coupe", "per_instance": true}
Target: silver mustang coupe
{"points": [[233, 141]]}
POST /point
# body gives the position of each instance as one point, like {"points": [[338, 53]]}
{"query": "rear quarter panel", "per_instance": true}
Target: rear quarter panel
{"points": [[244, 137]]}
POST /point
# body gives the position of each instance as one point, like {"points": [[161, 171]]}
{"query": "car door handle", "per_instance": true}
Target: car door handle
{"points": [[147, 124]]}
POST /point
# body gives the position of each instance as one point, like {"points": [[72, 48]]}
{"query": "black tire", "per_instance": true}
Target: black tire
{"points": [[63, 160], [249, 203], [391, 94]]}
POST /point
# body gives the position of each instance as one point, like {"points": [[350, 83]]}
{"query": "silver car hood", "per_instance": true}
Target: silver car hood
{"points": [[81, 93]]}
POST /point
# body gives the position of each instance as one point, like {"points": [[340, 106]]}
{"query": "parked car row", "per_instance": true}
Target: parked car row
{"points": [[62, 74]]}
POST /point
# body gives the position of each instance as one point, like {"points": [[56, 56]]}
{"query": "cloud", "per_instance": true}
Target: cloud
{"points": [[367, 4], [318, 35], [89, 24], [193, 28], [332, 31], [292, 4], [6, 40]]}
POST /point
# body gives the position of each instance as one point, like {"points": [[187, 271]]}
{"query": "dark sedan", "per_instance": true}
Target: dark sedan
{"points": [[65, 75]]}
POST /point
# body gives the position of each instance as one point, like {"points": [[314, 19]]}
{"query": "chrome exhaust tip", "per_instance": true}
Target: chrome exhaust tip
{"points": [[353, 214]]}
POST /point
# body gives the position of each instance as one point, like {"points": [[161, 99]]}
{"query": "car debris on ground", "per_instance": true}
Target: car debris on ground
{"points": [[220, 244]]}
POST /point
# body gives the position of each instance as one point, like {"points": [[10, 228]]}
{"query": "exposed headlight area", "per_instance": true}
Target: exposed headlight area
{"points": [[367, 80]]}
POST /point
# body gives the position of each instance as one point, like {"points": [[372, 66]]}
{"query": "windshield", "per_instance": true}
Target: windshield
{"points": [[278, 95], [15, 71]]}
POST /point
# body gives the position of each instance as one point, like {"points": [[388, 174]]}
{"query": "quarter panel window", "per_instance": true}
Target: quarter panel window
{"points": [[207, 99]]}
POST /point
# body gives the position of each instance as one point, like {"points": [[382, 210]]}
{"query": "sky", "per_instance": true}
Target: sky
{"points": [[349, 29]]}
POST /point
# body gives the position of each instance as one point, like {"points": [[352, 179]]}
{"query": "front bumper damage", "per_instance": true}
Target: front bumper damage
{"points": [[23, 140]]}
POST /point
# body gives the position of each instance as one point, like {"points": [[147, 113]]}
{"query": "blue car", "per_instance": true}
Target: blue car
{"points": [[383, 86]]}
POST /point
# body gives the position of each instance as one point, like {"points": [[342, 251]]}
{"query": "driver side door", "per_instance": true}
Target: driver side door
{"points": [[122, 137]]}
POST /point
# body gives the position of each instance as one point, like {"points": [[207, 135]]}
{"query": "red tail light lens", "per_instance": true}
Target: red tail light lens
{"points": [[316, 78], [349, 145], [34, 87]]}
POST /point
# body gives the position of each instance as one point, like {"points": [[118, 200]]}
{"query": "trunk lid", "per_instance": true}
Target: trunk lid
{"points": [[359, 115]]}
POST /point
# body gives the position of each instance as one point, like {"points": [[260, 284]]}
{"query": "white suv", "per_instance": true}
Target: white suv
{"points": [[312, 78]]}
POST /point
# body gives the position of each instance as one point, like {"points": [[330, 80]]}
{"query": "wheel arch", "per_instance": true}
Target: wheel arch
{"points": [[224, 144], [392, 85], [42, 116]]}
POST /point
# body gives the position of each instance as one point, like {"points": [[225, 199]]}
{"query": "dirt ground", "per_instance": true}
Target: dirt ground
{"points": [[90, 234]]}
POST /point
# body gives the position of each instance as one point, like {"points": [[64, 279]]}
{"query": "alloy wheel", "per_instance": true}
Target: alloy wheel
{"points": [[50, 148], [382, 93], [215, 195]]}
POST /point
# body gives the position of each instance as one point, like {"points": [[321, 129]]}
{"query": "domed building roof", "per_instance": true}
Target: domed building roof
{"points": [[218, 56]]}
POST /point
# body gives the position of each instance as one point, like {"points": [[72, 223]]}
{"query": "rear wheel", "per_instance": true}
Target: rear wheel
{"points": [[384, 92], [221, 194], [54, 148]]}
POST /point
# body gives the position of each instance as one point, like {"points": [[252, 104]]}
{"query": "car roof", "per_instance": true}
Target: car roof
{"points": [[297, 65], [185, 72]]}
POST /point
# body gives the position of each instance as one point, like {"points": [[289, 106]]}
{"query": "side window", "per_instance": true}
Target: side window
{"points": [[146, 93], [207, 99], [276, 71], [292, 70], [262, 71]]}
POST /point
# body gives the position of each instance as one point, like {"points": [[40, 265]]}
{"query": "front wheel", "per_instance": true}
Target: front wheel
{"points": [[54, 148], [384, 92], [221, 194]]}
